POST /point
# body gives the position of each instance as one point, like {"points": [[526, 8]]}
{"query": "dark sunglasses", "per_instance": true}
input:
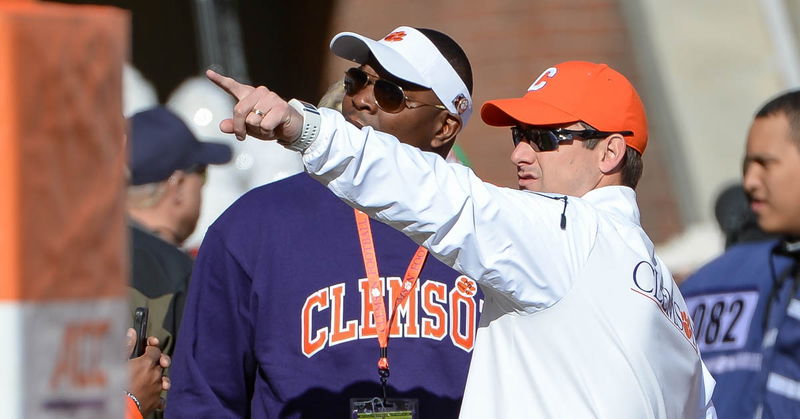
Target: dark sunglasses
{"points": [[388, 96], [548, 139]]}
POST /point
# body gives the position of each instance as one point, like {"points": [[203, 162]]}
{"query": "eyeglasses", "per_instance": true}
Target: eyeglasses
{"points": [[388, 96], [548, 139]]}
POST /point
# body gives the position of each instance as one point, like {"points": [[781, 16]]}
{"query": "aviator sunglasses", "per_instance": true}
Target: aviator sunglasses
{"points": [[388, 96], [548, 139]]}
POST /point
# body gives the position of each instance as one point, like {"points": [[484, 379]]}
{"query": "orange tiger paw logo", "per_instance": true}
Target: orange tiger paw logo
{"points": [[687, 326], [395, 36], [466, 286]]}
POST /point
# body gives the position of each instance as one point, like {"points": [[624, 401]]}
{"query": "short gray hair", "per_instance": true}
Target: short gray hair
{"points": [[145, 196]]}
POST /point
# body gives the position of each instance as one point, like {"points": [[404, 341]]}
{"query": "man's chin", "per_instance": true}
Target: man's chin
{"points": [[528, 185], [771, 226]]}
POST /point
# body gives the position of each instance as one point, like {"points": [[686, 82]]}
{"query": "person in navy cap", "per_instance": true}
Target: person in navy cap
{"points": [[167, 170]]}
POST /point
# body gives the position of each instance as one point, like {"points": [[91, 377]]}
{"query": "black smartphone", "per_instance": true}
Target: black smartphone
{"points": [[140, 326]]}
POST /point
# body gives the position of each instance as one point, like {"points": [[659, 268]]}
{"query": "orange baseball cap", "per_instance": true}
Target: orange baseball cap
{"points": [[576, 91]]}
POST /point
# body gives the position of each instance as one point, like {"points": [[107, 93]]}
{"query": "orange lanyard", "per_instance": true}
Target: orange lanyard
{"points": [[376, 296]]}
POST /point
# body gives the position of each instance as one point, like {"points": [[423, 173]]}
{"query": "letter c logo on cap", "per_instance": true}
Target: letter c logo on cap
{"points": [[540, 82], [395, 36]]}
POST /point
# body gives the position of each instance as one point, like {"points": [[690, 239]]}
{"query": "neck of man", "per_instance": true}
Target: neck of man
{"points": [[155, 225], [444, 150], [613, 179]]}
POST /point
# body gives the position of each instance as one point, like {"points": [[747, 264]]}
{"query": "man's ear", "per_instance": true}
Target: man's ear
{"points": [[613, 153], [175, 186], [448, 129]]}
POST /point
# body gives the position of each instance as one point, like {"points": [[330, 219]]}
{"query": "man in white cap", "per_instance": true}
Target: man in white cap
{"points": [[581, 317], [295, 296]]}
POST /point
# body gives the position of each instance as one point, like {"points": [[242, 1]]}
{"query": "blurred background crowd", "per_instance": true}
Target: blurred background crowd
{"points": [[701, 68]]}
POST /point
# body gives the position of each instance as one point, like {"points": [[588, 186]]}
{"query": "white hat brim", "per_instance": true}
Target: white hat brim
{"points": [[354, 47]]}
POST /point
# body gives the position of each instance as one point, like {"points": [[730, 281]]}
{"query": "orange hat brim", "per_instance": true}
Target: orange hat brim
{"points": [[508, 112]]}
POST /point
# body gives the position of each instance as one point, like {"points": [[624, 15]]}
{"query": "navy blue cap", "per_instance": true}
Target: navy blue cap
{"points": [[160, 143]]}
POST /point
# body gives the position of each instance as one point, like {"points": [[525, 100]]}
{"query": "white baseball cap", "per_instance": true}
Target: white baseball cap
{"points": [[409, 55]]}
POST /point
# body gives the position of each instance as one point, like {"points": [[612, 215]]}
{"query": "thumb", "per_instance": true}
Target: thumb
{"points": [[131, 341], [226, 126]]}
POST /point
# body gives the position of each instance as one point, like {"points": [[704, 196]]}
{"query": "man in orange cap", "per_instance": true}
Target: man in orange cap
{"points": [[574, 100], [581, 318]]}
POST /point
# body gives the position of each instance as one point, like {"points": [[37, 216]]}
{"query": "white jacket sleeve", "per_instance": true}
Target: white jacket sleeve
{"points": [[509, 240]]}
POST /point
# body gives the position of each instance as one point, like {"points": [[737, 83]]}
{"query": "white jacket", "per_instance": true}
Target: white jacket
{"points": [[581, 321]]}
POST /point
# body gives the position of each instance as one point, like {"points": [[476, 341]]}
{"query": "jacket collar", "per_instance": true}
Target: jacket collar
{"points": [[619, 200]]}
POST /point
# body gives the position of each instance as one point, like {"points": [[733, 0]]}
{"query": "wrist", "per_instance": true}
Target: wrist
{"points": [[135, 400], [310, 126]]}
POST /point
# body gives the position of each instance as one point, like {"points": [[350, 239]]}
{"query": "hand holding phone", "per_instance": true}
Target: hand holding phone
{"points": [[140, 317]]}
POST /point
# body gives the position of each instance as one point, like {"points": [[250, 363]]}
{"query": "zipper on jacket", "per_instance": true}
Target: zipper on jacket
{"points": [[563, 212]]}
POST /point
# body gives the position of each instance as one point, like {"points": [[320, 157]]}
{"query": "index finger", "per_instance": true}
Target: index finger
{"points": [[153, 354], [233, 87], [152, 341]]}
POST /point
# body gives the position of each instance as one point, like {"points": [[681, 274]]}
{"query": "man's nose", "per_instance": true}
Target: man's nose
{"points": [[364, 99], [751, 178], [523, 153]]}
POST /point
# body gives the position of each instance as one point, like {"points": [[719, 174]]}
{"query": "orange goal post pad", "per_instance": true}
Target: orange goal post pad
{"points": [[62, 151], [63, 257]]}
